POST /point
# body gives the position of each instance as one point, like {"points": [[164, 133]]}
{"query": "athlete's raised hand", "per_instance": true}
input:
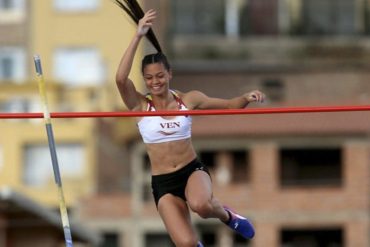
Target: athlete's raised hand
{"points": [[146, 22]]}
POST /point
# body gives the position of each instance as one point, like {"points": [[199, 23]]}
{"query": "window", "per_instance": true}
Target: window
{"points": [[78, 66], [199, 17], [240, 166], [158, 239], [239, 241], [38, 169], [11, 4], [328, 17], [6, 4], [208, 238], [259, 17], [12, 11], [21, 104], [110, 240], [12, 64], [312, 237], [76, 6], [207, 234], [235, 18], [311, 167], [7, 67], [238, 159], [274, 88], [147, 187], [224, 17], [208, 158]]}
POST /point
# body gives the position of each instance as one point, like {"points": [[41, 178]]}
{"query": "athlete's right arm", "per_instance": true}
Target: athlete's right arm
{"points": [[129, 94], [125, 86]]}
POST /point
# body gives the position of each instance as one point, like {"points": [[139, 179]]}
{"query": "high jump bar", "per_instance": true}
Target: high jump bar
{"points": [[247, 111]]}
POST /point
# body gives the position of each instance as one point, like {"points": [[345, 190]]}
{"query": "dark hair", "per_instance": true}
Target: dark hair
{"points": [[155, 58], [133, 9]]}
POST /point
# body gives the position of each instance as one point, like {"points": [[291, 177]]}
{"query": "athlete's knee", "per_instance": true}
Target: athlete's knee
{"points": [[202, 207]]}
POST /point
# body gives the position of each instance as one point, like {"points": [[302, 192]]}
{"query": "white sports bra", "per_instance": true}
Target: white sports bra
{"points": [[157, 129]]}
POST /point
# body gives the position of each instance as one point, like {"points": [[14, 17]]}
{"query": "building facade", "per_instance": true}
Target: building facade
{"points": [[303, 179], [80, 45]]}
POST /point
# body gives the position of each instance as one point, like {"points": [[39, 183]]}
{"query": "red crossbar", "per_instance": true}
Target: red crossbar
{"points": [[276, 110]]}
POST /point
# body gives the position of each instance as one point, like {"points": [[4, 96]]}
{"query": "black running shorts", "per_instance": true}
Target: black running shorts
{"points": [[175, 182]]}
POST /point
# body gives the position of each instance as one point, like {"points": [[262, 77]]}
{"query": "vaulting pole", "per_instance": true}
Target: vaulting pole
{"points": [[54, 159]]}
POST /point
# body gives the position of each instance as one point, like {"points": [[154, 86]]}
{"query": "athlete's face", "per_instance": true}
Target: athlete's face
{"points": [[157, 78]]}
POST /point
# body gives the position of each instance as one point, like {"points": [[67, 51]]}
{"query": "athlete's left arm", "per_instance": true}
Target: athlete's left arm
{"points": [[198, 100]]}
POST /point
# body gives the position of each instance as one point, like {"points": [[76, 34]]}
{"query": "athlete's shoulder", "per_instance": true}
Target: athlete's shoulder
{"points": [[145, 102], [192, 98], [191, 94]]}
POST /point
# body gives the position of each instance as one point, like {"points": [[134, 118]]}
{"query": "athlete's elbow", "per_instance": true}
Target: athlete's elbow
{"points": [[121, 77], [121, 80]]}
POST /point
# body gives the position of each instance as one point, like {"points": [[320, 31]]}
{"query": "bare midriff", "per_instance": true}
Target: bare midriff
{"points": [[170, 156]]}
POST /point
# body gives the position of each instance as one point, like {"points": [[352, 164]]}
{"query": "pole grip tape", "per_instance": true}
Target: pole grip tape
{"points": [[37, 60]]}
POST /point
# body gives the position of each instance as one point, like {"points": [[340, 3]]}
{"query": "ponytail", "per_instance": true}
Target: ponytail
{"points": [[133, 9]]}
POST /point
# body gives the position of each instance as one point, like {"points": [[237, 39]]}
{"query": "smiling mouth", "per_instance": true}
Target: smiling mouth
{"points": [[156, 88]]}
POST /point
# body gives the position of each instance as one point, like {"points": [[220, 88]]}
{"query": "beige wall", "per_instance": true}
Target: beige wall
{"points": [[16, 134], [108, 29]]}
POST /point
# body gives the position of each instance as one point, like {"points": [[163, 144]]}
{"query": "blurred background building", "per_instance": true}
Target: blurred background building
{"points": [[303, 179]]}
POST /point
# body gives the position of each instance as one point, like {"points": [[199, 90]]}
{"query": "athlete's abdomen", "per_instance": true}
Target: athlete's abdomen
{"points": [[170, 156]]}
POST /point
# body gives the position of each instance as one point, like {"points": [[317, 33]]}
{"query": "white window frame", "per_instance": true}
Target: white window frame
{"points": [[18, 56], [76, 5], [79, 66]]}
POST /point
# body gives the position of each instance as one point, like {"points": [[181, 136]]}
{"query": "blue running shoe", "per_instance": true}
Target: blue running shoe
{"points": [[200, 244], [240, 224]]}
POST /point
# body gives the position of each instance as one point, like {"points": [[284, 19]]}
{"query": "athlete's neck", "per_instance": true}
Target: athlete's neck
{"points": [[163, 102]]}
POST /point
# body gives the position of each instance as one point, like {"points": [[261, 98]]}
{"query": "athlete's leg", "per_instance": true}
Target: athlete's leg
{"points": [[200, 199], [176, 217]]}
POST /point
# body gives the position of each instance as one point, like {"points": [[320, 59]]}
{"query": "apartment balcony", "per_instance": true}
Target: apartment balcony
{"points": [[270, 53]]}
